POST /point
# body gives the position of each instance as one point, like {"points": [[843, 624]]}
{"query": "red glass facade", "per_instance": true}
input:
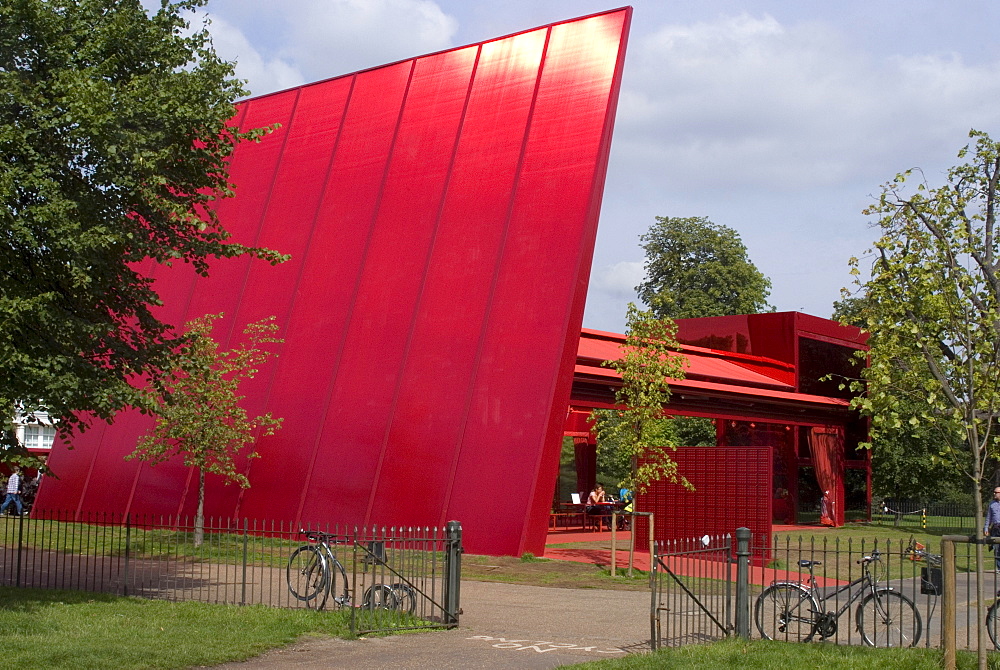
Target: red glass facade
{"points": [[440, 214]]}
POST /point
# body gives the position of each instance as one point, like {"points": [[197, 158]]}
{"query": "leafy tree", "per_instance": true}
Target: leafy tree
{"points": [[933, 308], [905, 458], [114, 135], [199, 418], [638, 427], [697, 268]]}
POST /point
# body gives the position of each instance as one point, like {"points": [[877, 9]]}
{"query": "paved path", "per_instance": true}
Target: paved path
{"points": [[502, 626]]}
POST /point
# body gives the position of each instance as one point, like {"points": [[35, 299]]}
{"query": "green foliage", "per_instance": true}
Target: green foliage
{"points": [[694, 431], [638, 426], [114, 135], [199, 416], [933, 302], [696, 268], [905, 463], [932, 308]]}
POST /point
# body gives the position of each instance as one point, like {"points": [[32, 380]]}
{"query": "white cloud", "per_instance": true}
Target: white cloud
{"points": [[334, 37], [619, 278], [263, 75], [751, 103]]}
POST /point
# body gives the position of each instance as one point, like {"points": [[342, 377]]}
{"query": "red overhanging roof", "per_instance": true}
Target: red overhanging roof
{"points": [[703, 364], [718, 383]]}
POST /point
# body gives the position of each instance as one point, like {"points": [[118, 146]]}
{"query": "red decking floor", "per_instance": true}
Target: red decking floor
{"points": [[600, 554]]}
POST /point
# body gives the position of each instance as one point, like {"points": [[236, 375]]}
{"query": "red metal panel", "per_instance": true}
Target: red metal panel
{"points": [[309, 367], [389, 289], [441, 228], [732, 488], [540, 251], [433, 396]]}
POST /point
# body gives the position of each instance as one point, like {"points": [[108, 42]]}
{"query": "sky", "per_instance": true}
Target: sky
{"points": [[779, 119]]}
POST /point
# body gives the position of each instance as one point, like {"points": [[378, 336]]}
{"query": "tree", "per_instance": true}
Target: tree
{"points": [[638, 427], [933, 308], [905, 462], [114, 135], [199, 418], [696, 268]]}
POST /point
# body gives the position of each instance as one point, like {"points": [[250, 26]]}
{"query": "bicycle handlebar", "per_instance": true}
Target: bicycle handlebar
{"points": [[876, 555], [320, 536]]}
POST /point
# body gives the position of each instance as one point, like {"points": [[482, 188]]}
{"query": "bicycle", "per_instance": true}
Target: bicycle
{"points": [[791, 611], [314, 573]]}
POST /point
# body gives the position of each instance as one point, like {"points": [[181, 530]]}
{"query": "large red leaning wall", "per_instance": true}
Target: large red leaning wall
{"points": [[440, 214]]}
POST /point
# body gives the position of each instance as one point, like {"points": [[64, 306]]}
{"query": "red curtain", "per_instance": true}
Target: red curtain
{"points": [[827, 446]]}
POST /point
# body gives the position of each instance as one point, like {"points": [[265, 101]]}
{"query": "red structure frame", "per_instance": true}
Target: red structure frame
{"points": [[440, 214], [762, 378]]}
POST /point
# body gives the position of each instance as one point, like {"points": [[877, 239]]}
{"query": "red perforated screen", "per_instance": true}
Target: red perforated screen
{"points": [[732, 488]]}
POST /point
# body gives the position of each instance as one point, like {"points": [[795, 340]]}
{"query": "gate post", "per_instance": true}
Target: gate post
{"points": [[743, 582], [948, 637], [453, 573]]}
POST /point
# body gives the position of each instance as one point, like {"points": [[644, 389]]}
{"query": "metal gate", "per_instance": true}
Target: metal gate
{"points": [[694, 591]]}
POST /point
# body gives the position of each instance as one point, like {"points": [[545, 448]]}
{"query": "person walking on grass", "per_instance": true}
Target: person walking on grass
{"points": [[992, 526], [13, 492]]}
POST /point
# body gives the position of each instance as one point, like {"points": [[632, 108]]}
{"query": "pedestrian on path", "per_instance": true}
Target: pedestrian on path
{"points": [[992, 526], [13, 492]]}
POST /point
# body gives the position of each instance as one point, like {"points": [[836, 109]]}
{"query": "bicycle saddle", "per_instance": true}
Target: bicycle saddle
{"points": [[807, 564]]}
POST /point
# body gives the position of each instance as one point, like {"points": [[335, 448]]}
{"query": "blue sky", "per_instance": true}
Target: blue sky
{"points": [[778, 119]]}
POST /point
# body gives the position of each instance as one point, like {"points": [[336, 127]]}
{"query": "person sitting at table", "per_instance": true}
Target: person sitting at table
{"points": [[595, 503]]}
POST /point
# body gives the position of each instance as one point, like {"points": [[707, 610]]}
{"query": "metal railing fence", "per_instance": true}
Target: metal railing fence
{"points": [[698, 595], [240, 562], [923, 515], [693, 591]]}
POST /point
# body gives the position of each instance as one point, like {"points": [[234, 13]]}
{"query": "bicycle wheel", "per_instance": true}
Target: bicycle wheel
{"points": [[888, 619], [307, 574], [992, 625], [786, 612], [338, 583], [380, 597], [406, 597]]}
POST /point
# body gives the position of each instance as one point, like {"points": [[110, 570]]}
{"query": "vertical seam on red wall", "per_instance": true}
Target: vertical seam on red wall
{"points": [[420, 291], [497, 265], [295, 287], [325, 405], [360, 276], [263, 217]]}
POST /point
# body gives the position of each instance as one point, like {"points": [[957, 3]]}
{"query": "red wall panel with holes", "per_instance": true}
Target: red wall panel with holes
{"points": [[731, 488]]}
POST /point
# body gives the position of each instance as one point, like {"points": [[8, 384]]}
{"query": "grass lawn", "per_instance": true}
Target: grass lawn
{"points": [[70, 629], [766, 655]]}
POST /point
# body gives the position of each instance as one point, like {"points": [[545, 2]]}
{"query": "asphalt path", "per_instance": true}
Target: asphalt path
{"points": [[502, 626], [516, 626]]}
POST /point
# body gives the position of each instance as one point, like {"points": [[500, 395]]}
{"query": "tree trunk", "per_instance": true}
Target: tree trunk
{"points": [[977, 498], [199, 517]]}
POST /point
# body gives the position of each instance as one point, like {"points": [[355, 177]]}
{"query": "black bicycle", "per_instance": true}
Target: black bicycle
{"points": [[314, 573], [788, 610]]}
